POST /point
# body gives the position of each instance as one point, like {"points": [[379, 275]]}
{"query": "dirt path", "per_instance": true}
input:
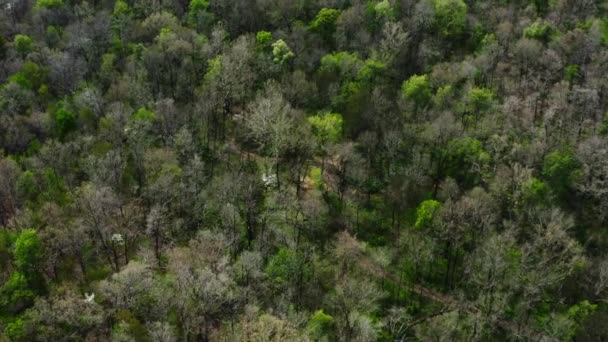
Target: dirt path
{"points": [[450, 303]]}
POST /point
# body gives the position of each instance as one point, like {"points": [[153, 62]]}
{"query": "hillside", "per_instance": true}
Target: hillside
{"points": [[303, 170]]}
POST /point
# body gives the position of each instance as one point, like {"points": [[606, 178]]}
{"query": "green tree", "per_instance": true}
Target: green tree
{"points": [[198, 15], [320, 325], [23, 44], [325, 23], [425, 213], [384, 9], [560, 169], [121, 8], [539, 30], [64, 121], [143, 114], [281, 52], [16, 294], [466, 160], [263, 40], [480, 100], [197, 6], [417, 89], [28, 251], [572, 73], [283, 266], [450, 17], [327, 127]]}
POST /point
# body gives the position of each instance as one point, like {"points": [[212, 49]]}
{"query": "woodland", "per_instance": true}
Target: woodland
{"points": [[303, 170]]}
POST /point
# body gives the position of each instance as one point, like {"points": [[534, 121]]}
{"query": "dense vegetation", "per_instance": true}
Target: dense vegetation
{"points": [[303, 170]]}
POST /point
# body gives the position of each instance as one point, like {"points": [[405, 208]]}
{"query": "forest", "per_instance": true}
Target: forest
{"points": [[303, 170]]}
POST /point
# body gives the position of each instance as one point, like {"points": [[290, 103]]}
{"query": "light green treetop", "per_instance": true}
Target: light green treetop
{"points": [[327, 127], [418, 89], [281, 52]]}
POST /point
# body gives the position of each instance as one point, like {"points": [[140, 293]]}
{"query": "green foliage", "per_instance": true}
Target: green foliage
{"points": [[64, 121], [143, 114], [417, 89], [450, 17], [214, 69], [384, 9], [465, 160], [582, 310], [572, 73], [282, 266], [560, 169], [53, 35], [6, 248], [197, 6], [425, 213], [285, 266], [603, 130], [344, 64], [28, 250], [15, 330], [27, 186], [45, 186], [49, 3], [130, 326], [281, 52], [16, 294], [541, 6], [126, 126], [539, 30], [107, 64], [263, 40], [320, 324], [327, 127], [55, 189], [372, 68], [325, 22], [16, 290], [121, 8], [316, 177], [535, 192], [21, 79], [480, 99], [604, 31], [30, 77], [198, 14], [442, 96], [23, 44], [564, 326], [489, 38]]}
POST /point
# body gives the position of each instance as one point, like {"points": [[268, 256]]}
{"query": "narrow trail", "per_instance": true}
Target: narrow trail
{"points": [[451, 304]]}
